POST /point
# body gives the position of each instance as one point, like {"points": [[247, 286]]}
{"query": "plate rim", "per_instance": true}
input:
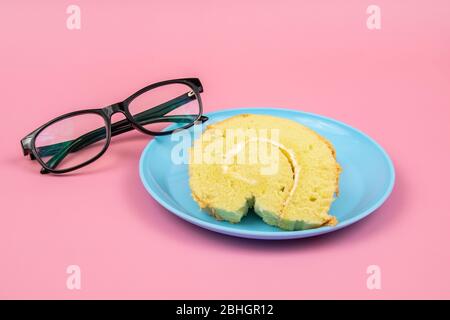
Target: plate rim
{"points": [[281, 234]]}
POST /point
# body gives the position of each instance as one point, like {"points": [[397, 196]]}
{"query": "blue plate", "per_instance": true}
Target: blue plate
{"points": [[365, 183]]}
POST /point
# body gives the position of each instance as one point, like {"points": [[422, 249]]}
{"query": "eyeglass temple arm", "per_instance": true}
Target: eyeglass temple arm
{"points": [[156, 114]]}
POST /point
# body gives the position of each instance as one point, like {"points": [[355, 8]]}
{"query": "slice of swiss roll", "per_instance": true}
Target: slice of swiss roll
{"points": [[285, 171]]}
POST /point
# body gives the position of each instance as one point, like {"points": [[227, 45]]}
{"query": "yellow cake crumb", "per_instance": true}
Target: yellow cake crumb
{"points": [[287, 172]]}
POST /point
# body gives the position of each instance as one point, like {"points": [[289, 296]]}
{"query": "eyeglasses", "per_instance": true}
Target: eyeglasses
{"points": [[76, 139]]}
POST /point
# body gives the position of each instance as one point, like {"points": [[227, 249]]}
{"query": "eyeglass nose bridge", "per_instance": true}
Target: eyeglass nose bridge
{"points": [[114, 108]]}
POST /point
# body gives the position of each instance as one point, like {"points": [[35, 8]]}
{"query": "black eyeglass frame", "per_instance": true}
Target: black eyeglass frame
{"points": [[125, 125]]}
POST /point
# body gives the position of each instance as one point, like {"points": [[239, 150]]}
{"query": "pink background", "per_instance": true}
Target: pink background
{"points": [[315, 56]]}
